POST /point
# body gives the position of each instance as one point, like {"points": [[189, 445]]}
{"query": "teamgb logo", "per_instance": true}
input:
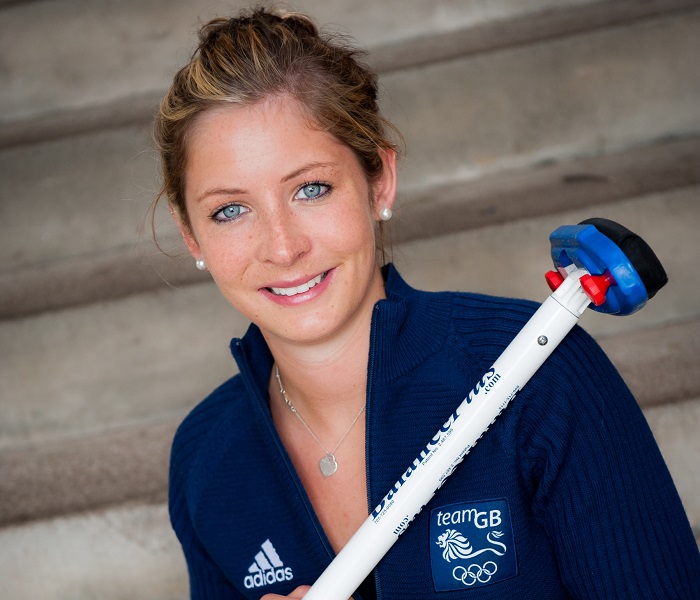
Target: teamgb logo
{"points": [[267, 568], [471, 545]]}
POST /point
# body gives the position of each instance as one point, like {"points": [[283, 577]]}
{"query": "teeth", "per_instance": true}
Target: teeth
{"points": [[300, 289]]}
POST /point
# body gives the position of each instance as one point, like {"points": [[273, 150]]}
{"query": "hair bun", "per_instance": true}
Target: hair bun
{"points": [[300, 23]]}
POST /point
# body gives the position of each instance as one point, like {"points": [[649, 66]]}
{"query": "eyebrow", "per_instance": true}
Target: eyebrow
{"points": [[305, 168], [218, 192], [285, 179]]}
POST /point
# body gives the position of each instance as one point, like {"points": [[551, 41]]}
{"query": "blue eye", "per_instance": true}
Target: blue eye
{"points": [[311, 191], [229, 213]]}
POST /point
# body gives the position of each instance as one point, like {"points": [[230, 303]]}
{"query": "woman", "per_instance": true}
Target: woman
{"points": [[279, 174]]}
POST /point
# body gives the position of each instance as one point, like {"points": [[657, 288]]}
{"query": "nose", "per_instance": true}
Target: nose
{"points": [[285, 239]]}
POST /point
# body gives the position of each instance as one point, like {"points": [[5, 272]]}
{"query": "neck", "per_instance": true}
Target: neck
{"points": [[326, 381]]}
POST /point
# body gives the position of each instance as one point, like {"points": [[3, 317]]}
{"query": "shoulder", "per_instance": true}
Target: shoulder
{"points": [[472, 311], [493, 321], [203, 418], [195, 444], [466, 312], [483, 325]]}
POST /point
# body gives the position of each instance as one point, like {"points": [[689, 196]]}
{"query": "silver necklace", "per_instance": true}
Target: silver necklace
{"points": [[327, 464]]}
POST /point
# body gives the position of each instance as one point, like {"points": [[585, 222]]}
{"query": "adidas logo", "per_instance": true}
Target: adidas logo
{"points": [[267, 568]]}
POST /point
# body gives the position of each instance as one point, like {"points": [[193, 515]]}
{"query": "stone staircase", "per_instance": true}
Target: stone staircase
{"points": [[518, 117]]}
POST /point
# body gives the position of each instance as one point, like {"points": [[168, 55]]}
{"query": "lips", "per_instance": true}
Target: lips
{"points": [[299, 289]]}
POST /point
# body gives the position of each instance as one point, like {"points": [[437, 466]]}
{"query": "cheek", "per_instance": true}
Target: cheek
{"points": [[228, 258], [352, 228], [356, 237]]}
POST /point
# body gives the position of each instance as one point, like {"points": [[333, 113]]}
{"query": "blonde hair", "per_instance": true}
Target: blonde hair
{"points": [[262, 54]]}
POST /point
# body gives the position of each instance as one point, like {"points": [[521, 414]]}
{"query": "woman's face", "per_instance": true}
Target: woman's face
{"points": [[282, 214]]}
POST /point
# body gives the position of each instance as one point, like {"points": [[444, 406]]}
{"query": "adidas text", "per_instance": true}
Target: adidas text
{"points": [[267, 577], [267, 568]]}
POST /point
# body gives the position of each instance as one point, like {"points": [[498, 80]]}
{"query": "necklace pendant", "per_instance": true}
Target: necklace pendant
{"points": [[328, 465]]}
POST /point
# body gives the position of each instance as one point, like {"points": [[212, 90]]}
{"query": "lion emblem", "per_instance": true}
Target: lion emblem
{"points": [[455, 546]]}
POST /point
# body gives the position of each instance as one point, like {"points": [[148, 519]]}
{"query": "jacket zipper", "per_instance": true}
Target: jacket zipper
{"points": [[370, 385]]}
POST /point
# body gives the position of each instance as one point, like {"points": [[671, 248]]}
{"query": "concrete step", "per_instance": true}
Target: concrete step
{"points": [[119, 554], [495, 137], [675, 428], [74, 371], [78, 474], [107, 62], [588, 95], [83, 557]]}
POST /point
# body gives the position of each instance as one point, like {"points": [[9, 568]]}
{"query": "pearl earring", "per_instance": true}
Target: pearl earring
{"points": [[385, 214], [200, 264]]}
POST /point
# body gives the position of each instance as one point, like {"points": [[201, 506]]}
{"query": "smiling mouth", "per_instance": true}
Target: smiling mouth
{"points": [[299, 289]]}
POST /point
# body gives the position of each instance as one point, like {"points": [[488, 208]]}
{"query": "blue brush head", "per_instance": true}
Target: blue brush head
{"points": [[602, 246]]}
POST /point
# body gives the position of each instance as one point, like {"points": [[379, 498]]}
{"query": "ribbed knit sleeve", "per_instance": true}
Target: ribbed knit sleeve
{"points": [[600, 486], [206, 580]]}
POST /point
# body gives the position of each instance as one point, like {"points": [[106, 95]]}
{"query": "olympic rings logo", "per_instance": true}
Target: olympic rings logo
{"points": [[475, 573]]}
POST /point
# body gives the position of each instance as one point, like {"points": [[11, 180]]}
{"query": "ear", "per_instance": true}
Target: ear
{"points": [[385, 187], [187, 235]]}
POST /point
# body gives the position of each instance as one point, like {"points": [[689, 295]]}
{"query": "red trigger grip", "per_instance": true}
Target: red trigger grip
{"points": [[554, 279], [596, 286]]}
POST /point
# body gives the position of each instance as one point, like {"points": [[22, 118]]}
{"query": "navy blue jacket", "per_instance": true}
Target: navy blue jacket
{"points": [[566, 496]]}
